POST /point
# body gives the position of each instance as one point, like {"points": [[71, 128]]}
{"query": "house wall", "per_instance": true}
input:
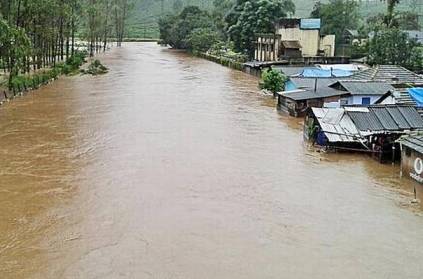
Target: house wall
{"points": [[309, 39], [327, 45], [408, 161], [357, 100], [388, 101], [332, 102]]}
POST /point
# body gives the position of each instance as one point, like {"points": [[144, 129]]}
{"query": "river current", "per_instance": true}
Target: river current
{"points": [[171, 166]]}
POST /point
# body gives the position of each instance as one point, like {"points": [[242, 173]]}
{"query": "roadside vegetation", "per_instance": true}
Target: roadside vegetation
{"points": [[96, 68], [273, 81], [229, 29], [42, 39]]}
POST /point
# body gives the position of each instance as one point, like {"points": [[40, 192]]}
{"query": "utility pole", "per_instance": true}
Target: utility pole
{"points": [[162, 2]]}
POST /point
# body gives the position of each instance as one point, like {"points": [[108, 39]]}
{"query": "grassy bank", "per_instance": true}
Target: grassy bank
{"points": [[10, 88]]}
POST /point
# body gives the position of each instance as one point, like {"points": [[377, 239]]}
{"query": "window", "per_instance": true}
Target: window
{"points": [[365, 101]]}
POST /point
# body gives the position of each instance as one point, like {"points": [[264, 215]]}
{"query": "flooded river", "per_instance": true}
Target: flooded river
{"points": [[175, 167]]}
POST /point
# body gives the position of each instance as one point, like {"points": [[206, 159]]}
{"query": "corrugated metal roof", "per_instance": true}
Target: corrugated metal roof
{"points": [[366, 87], [399, 118], [306, 89], [412, 117], [402, 97], [393, 74], [366, 121], [387, 118], [336, 125], [352, 124], [304, 94], [413, 142]]}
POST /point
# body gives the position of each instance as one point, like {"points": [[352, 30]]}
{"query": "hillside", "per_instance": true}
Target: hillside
{"points": [[143, 17]]}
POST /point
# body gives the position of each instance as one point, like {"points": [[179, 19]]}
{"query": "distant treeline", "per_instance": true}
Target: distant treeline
{"points": [[143, 19], [230, 29]]}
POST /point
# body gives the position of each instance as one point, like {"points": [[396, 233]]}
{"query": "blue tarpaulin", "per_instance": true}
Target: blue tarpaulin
{"points": [[417, 95], [322, 73], [289, 86]]}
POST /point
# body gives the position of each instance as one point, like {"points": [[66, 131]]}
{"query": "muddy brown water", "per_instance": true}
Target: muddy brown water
{"points": [[175, 167]]}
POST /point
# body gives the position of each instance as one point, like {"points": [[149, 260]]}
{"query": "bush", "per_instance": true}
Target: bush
{"points": [[72, 65], [225, 50], [96, 68], [202, 39], [77, 60], [273, 80]]}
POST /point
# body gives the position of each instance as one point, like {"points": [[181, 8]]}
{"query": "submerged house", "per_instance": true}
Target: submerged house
{"points": [[298, 102], [294, 38], [362, 92], [372, 129], [329, 93]]}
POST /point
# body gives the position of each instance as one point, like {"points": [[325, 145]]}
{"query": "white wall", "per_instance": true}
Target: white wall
{"points": [[357, 100]]}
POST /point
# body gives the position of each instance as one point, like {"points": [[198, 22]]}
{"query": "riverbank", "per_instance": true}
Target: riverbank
{"points": [[141, 40], [23, 84], [224, 61], [254, 69]]}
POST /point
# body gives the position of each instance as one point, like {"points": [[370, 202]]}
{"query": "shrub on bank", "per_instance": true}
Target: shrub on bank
{"points": [[273, 80], [25, 82], [225, 49], [96, 68]]}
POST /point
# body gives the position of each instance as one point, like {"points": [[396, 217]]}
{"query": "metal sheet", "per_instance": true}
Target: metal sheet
{"points": [[412, 117], [385, 118]]}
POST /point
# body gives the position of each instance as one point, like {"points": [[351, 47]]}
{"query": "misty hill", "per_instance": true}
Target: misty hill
{"points": [[145, 13]]}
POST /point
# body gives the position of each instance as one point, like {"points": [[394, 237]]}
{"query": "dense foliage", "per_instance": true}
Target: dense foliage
{"points": [[273, 80], [143, 18], [248, 18], [392, 46], [337, 16], [96, 68], [18, 83], [188, 29], [38, 34]]}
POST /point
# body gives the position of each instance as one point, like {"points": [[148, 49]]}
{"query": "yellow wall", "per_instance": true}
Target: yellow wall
{"points": [[309, 39], [327, 44]]}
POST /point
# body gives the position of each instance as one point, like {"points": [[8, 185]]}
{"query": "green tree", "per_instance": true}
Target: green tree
{"points": [[337, 16], [317, 8], [202, 39], [390, 12], [249, 18], [392, 46], [175, 30], [273, 80], [220, 11]]}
